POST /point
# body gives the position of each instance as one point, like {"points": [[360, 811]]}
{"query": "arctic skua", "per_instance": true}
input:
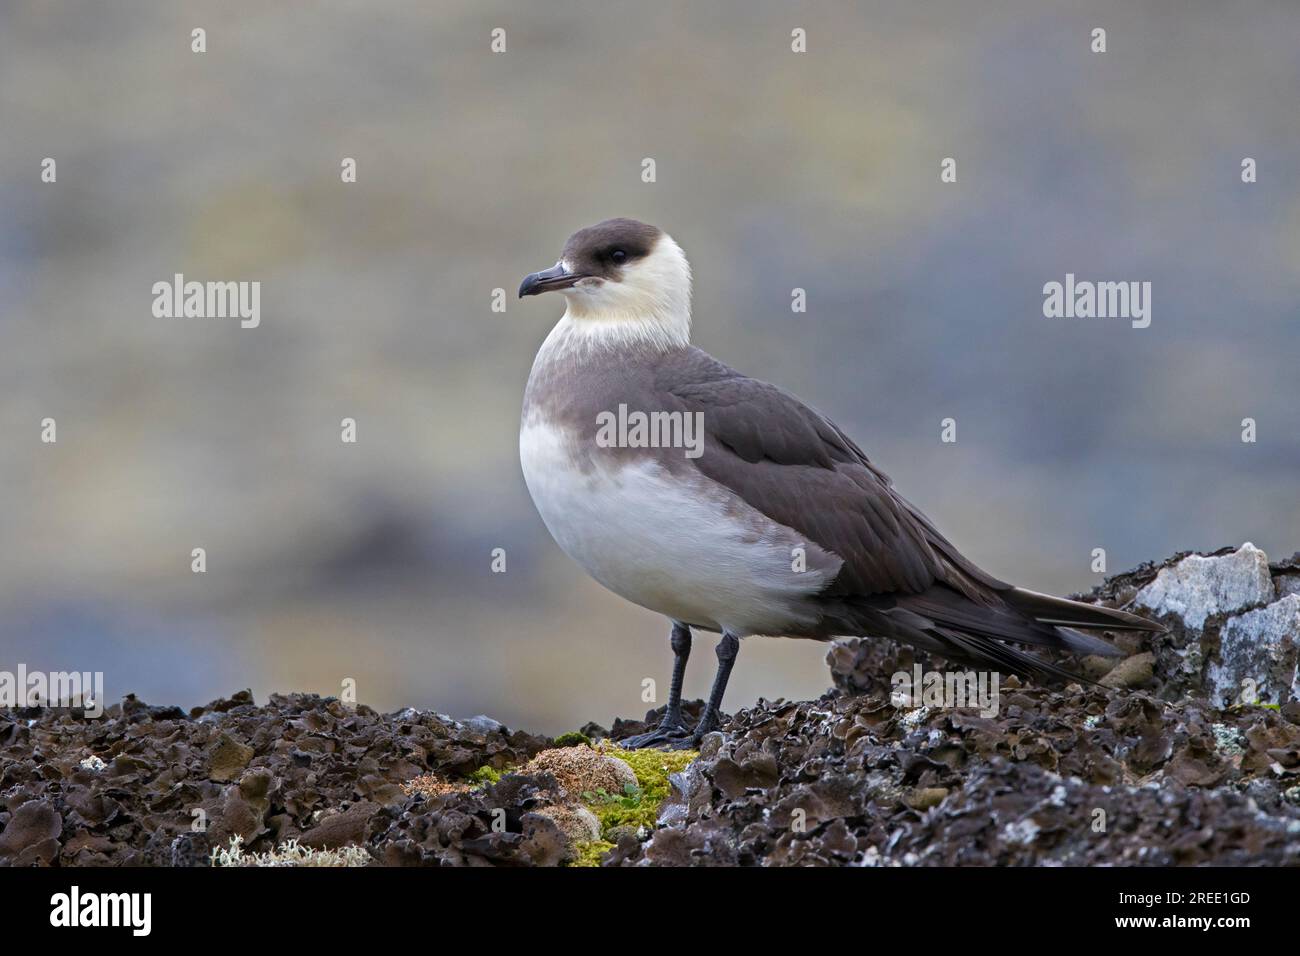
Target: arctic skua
{"points": [[728, 505]]}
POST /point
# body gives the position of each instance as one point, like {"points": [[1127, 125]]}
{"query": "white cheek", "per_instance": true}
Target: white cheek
{"points": [[590, 293]]}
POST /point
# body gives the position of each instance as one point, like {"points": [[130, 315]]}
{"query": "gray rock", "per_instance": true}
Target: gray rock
{"points": [[711, 744], [483, 724], [1259, 646], [1197, 588], [1131, 672]]}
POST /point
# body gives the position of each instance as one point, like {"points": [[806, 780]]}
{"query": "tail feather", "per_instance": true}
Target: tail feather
{"points": [[983, 651], [1063, 611], [1083, 644], [949, 623]]}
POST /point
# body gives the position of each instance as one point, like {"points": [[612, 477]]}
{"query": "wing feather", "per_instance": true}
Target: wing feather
{"points": [[791, 463], [794, 465]]}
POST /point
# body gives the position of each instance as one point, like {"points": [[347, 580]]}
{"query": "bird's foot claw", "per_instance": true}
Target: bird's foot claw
{"points": [[667, 736], [707, 725]]}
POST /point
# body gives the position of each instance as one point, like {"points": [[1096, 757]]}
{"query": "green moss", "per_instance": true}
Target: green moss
{"points": [[653, 767], [637, 806], [590, 852], [487, 775], [633, 809]]}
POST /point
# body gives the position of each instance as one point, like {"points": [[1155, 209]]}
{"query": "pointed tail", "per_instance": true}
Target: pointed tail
{"points": [[1066, 613]]}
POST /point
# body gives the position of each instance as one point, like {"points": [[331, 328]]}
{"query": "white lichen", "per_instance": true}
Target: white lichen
{"points": [[1197, 588], [1251, 646], [1023, 831], [1227, 740], [291, 853], [914, 718]]}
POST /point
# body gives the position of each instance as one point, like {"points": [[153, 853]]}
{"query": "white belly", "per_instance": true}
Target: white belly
{"points": [[693, 552]]}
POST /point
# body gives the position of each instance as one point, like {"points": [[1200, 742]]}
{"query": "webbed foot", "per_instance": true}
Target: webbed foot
{"points": [[669, 735]]}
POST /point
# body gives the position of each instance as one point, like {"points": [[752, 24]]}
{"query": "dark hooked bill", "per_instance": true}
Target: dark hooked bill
{"points": [[548, 280]]}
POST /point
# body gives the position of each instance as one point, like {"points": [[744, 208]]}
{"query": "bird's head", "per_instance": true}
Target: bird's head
{"points": [[622, 279]]}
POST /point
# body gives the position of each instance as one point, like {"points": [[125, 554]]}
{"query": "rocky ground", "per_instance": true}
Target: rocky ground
{"points": [[1186, 751]]}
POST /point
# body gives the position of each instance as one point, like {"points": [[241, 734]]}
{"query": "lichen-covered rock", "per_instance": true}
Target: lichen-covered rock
{"points": [[1133, 671], [1076, 776], [576, 822], [581, 770], [865, 665], [1258, 655], [1172, 765], [1232, 595], [228, 759], [1046, 819], [31, 834], [1198, 588], [336, 829], [299, 764]]}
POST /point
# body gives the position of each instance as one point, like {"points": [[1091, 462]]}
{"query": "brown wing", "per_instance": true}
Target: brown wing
{"points": [[900, 574], [790, 462]]}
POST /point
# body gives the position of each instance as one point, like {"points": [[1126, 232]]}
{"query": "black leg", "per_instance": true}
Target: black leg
{"points": [[727, 650], [681, 644], [672, 730]]}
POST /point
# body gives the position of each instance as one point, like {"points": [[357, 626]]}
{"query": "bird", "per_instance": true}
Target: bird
{"points": [[728, 505]]}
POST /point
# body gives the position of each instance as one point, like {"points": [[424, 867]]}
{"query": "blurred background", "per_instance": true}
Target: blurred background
{"points": [[775, 170]]}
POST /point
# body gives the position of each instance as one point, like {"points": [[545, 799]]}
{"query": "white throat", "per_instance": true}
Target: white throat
{"points": [[651, 305]]}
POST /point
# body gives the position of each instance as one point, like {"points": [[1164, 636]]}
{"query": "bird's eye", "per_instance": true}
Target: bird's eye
{"points": [[618, 255]]}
